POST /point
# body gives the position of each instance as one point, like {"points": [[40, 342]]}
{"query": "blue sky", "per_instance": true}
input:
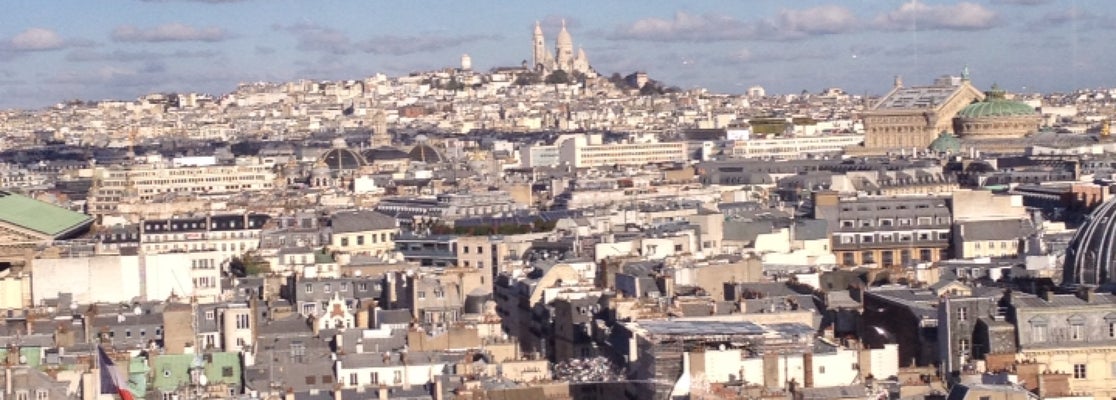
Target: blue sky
{"points": [[96, 49]]}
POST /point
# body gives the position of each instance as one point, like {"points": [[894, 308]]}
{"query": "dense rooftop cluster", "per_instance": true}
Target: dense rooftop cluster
{"points": [[458, 234]]}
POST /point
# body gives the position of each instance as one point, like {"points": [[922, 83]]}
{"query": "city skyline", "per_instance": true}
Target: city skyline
{"points": [[123, 49]]}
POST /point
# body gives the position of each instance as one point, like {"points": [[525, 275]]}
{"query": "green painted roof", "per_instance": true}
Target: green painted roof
{"points": [[137, 375], [172, 371], [996, 105], [946, 143], [996, 108], [39, 216]]}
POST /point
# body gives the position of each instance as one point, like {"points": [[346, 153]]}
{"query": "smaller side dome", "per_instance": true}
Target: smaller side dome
{"points": [[945, 143], [342, 159], [426, 153]]}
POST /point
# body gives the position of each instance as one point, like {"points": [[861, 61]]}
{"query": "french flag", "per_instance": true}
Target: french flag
{"points": [[112, 381]]}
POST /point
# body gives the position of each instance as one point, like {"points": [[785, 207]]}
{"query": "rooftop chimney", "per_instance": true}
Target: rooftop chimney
{"points": [[1087, 293]]}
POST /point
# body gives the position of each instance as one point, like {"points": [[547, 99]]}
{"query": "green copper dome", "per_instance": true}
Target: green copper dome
{"points": [[995, 105], [946, 143]]}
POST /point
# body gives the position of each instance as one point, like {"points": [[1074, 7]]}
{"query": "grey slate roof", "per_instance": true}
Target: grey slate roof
{"points": [[1005, 229], [811, 229], [360, 221]]}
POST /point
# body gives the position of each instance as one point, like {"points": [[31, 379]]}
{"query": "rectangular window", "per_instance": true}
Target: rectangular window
{"points": [[242, 321], [398, 375], [1079, 371], [360, 240], [962, 313], [353, 381], [309, 288], [1038, 333], [1112, 329], [326, 288], [1077, 332]]}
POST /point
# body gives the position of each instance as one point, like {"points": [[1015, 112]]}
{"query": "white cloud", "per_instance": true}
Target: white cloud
{"points": [[685, 27], [315, 38], [787, 24], [1021, 2], [171, 32], [195, 1], [36, 39], [401, 45], [962, 16], [821, 20]]}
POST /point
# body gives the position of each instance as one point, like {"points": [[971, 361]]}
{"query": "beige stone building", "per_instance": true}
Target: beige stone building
{"points": [[363, 232], [909, 118]]}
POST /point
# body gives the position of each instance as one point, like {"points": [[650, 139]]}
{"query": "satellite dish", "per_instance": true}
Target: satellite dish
{"points": [[138, 310], [203, 380]]}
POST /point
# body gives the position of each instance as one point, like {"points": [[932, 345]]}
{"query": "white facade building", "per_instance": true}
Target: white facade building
{"points": [[588, 151], [121, 279], [794, 147]]}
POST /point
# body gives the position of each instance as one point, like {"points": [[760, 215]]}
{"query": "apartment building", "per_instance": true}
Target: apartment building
{"points": [[143, 182], [885, 230], [793, 147], [586, 152]]}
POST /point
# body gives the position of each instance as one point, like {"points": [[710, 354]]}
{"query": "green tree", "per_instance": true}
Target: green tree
{"points": [[529, 78], [248, 264], [557, 77], [454, 85]]}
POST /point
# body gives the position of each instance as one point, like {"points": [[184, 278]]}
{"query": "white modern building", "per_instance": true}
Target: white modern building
{"points": [[793, 147], [586, 151], [143, 181], [124, 278]]}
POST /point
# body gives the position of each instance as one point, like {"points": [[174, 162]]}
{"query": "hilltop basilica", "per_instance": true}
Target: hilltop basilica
{"points": [[564, 59]]}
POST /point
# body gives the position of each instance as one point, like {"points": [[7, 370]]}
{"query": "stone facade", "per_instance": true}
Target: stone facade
{"points": [[912, 117]]}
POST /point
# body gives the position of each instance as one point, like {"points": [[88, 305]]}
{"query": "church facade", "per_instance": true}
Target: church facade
{"points": [[563, 57]]}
